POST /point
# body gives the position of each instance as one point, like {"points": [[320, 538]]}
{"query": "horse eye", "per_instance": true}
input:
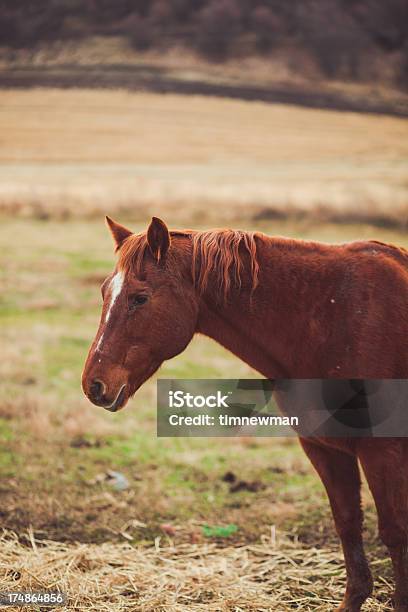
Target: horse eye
{"points": [[137, 300]]}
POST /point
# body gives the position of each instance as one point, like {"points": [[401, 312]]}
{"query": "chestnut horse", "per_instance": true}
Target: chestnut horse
{"points": [[290, 309]]}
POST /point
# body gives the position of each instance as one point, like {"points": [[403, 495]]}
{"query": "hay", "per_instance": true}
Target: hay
{"points": [[276, 575]]}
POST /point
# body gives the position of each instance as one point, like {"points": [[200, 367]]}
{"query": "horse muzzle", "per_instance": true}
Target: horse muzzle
{"points": [[98, 395]]}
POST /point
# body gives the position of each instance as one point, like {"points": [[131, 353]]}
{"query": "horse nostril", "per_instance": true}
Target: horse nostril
{"points": [[97, 389]]}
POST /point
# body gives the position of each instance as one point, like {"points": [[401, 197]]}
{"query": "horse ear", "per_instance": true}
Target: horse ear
{"points": [[119, 232], [158, 238]]}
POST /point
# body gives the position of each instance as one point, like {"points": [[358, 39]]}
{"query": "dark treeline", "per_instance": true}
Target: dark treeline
{"points": [[338, 36]]}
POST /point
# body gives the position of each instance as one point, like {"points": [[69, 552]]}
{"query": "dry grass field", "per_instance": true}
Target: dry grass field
{"points": [[195, 159], [66, 159]]}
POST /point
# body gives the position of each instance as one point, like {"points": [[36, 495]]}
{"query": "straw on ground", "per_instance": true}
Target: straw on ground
{"points": [[275, 575]]}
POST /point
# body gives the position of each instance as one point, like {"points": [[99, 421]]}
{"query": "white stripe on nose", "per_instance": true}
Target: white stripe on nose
{"points": [[99, 345]]}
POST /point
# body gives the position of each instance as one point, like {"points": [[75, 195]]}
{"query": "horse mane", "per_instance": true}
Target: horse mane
{"points": [[217, 256]]}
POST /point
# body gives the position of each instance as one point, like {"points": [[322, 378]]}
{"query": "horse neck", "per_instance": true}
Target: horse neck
{"points": [[258, 327]]}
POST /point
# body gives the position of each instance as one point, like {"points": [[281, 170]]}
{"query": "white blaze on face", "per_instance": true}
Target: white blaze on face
{"points": [[115, 286]]}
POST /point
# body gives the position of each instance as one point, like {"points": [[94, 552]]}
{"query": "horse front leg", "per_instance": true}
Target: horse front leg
{"points": [[385, 464], [340, 475]]}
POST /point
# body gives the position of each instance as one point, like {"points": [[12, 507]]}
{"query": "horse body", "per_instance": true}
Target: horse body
{"points": [[290, 309], [334, 312], [319, 311]]}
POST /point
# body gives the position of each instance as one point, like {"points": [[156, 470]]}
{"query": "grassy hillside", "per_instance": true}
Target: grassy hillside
{"points": [[359, 40]]}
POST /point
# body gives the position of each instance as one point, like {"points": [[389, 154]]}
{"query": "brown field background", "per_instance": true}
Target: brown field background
{"points": [[197, 159], [67, 157]]}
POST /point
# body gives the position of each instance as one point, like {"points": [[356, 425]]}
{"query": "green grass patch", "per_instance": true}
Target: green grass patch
{"points": [[9, 461], [82, 265]]}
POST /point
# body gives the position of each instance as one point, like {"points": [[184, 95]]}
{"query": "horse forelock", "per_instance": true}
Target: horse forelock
{"points": [[217, 257], [132, 254]]}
